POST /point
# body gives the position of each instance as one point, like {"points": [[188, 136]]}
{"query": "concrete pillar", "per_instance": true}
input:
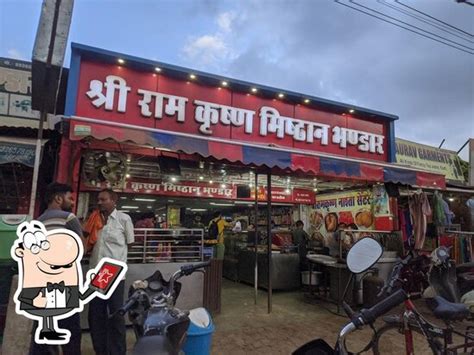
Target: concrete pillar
{"points": [[17, 334]]}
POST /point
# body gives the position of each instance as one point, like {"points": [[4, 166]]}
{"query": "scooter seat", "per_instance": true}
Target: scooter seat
{"points": [[446, 310], [465, 267]]}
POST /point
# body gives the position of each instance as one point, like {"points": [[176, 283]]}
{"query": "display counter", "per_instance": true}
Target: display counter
{"points": [[335, 276], [285, 269]]}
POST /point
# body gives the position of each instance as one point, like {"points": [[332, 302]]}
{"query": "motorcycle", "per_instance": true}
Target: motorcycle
{"points": [[454, 283], [160, 327], [448, 280], [361, 257]]}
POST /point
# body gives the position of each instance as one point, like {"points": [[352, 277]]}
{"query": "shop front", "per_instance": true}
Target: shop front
{"points": [[18, 136], [18, 133], [180, 145], [454, 227]]}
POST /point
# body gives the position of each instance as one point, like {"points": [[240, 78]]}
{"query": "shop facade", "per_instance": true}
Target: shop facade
{"points": [[18, 133], [179, 143]]}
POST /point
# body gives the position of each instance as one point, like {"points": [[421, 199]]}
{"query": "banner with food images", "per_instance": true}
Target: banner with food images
{"points": [[346, 210]]}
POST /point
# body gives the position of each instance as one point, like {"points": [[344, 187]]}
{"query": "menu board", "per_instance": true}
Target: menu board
{"points": [[356, 210]]}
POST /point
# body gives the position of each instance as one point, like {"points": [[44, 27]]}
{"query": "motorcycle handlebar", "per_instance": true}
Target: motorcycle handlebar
{"points": [[368, 316], [129, 304], [185, 270], [395, 275], [349, 311], [189, 269]]}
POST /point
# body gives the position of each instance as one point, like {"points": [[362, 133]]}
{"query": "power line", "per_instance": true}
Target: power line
{"points": [[434, 18], [466, 2], [397, 25], [413, 26], [406, 28], [420, 18]]}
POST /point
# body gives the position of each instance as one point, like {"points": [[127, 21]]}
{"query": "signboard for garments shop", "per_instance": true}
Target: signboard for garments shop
{"points": [[440, 161], [119, 94]]}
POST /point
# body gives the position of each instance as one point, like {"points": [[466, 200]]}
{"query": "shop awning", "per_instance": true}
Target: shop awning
{"points": [[253, 154], [18, 150]]}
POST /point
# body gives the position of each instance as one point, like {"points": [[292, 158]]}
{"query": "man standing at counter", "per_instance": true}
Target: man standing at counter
{"points": [[108, 335], [216, 232], [300, 238]]}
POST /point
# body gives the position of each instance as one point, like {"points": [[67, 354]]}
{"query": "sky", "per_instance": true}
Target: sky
{"points": [[315, 47]]}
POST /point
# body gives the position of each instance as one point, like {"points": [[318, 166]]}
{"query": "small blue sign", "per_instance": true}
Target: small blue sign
{"points": [[17, 153]]}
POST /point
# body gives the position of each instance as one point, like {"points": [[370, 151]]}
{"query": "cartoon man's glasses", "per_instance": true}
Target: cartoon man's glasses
{"points": [[35, 242], [44, 245]]}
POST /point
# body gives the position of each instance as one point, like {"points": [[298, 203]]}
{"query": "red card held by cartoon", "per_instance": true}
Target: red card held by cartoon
{"points": [[107, 276]]}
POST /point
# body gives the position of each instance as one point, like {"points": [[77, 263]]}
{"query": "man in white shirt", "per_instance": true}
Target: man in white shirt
{"points": [[108, 335]]}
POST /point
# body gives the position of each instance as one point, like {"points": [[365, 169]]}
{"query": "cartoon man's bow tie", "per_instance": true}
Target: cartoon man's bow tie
{"points": [[55, 286]]}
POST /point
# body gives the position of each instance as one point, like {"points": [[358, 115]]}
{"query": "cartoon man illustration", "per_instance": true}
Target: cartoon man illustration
{"points": [[50, 285]]}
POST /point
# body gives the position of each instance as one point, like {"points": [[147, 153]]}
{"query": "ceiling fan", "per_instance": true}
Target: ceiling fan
{"points": [[105, 168]]}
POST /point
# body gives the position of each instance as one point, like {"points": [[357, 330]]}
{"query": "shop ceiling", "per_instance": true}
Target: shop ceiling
{"points": [[145, 168], [158, 204]]}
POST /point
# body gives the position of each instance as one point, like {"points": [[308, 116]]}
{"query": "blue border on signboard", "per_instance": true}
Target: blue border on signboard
{"points": [[73, 83], [392, 148]]}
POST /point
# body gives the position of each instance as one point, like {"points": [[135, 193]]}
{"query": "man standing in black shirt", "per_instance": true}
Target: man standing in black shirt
{"points": [[59, 215]]}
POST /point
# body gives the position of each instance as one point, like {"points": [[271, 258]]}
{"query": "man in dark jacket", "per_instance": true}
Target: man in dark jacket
{"points": [[58, 215]]}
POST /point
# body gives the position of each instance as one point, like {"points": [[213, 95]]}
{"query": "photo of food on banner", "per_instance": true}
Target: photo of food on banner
{"points": [[349, 215]]}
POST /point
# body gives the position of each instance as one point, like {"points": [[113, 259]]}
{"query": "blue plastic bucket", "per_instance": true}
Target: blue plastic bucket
{"points": [[201, 328]]}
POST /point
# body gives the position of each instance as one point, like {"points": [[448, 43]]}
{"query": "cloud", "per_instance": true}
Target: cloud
{"points": [[224, 21], [327, 50], [212, 50], [206, 50], [15, 54]]}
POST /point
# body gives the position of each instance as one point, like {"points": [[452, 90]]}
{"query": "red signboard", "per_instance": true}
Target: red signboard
{"points": [[119, 94], [206, 190], [286, 195]]}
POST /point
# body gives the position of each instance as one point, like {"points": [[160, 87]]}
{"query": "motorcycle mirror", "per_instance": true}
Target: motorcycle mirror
{"points": [[363, 255]]}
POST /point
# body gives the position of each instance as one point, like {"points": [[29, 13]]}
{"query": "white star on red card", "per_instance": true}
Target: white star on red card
{"points": [[105, 276]]}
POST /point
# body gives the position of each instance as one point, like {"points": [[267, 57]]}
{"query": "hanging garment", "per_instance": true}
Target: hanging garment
{"points": [[403, 224], [447, 241], [408, 228], [439, 217], [447, 212], [419, 210], [470, 205], [93, 225]]}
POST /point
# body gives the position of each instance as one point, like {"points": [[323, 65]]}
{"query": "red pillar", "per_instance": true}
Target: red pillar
{"points": [[75, 177], [64, 160], [69, 166]]}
